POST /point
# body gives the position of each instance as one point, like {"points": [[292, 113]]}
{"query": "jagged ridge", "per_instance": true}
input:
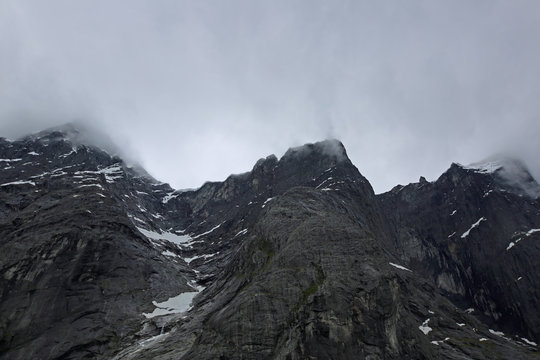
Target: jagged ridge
{"points": [[298, 256]]}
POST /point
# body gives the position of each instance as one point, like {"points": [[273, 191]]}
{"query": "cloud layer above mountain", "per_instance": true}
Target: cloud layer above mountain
{"points": [[197, 90]]}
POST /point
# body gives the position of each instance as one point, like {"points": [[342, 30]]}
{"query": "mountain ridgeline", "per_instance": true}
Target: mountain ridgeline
{"points": [[296, 259]]}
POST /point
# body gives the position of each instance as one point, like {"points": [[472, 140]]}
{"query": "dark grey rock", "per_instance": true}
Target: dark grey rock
{"points": [[298, 257]]}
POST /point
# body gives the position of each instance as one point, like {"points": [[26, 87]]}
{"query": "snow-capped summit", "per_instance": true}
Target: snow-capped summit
{"points": [[509, 171], [78, 135]]}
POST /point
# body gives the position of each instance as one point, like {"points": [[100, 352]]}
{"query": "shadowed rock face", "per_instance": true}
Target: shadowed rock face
{"points": [[470, 232], [298, 257]]}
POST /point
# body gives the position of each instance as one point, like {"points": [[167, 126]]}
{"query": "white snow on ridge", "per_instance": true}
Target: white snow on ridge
{"points": [[532, 231], [20, 182], [33, 153], [90, 185], [169, 197], [112, 173], [440, 341], [266, 201], [169, 253], [466, 233], [529, 342], [165, 235], [399, 267], [528, 233], [9, 160], [241, 232], [487, 167], [498, 333], [206, 256], [69, 153], [318, 186], [207, 232], [453, 213], [512, 171]]}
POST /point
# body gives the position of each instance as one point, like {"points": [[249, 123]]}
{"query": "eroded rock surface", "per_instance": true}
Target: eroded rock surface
{"points": [[296, 259]]}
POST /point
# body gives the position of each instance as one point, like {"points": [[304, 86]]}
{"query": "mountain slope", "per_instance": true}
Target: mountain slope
{"points": [[473, 233], [296, 259]]}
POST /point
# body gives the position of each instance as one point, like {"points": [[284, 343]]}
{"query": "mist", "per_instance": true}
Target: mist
{"points": [[196, 90]]}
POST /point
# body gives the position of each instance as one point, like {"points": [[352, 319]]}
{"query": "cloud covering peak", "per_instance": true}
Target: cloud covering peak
{"points": [[198, 90]]}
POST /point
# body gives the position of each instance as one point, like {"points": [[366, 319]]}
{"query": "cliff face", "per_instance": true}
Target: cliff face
{"points": [[295, 259], [475, 233]]}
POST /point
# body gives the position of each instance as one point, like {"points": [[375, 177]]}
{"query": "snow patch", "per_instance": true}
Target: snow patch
{"points": [[425, 328], [174, 305], [152, 339], [440, 341], [92, 185], [20, 182], [241, 232], [266, 201], [476, 224], [529, 342], [318, 186], [169, 253], [188, 260], [453, 213], [511, 245], [498, 333], [112, 173], [73, 151], [207, 232], [165, 235], [460, 324], [399, 267], [487, 167], [169, 197]]}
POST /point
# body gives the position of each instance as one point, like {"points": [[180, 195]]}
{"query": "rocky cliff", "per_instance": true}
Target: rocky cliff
{"points": [[296, 259]]}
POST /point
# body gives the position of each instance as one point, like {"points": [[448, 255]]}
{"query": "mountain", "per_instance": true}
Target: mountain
{"points": [[296, 259]]}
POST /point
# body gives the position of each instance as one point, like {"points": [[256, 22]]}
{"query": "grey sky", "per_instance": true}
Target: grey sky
{"points": [[197, 90]]}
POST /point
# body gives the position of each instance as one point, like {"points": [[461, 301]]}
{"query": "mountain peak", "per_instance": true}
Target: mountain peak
{"points": [[509, 171], [495, 163], [332, 148], [80, 135]]}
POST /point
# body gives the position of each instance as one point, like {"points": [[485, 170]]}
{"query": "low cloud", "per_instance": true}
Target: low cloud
{"points": [[197, 91]]}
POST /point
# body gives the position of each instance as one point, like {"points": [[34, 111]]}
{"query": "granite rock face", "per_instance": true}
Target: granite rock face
{"points": [[296, 259], [475, 234]]}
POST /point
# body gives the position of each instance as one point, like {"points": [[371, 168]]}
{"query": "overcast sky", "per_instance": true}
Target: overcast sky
{"points": [[197, 90]]}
